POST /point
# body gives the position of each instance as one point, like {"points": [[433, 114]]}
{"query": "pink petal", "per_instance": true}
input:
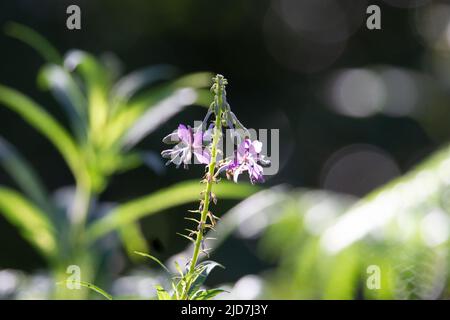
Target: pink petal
{"points": [[242, 148], [185, 134], [202, 156], [198, 139], [238, 171], [256, 146]]}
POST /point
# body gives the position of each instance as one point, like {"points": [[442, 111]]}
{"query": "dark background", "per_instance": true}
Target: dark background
{"points": [[277, 80]]}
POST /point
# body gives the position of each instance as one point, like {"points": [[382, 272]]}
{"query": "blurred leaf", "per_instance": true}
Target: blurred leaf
{"points": [[342, 278], [42, 121], [34, 40], [32, 223], [204, 97], [325, 246], [97, 81], [150, 109], [154, 161], [263, 205], [127, 86], [68, 94], [196, 80], [23, 174], [158, 114], [133, 239], [93, 72], [422, 186], [170, 197]]}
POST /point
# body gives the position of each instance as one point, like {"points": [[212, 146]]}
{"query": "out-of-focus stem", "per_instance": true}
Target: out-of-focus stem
{"points": [[79, 212]]}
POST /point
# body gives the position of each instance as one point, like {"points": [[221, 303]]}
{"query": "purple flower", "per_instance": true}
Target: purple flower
{"points": [[246, 158], [189, 142]]}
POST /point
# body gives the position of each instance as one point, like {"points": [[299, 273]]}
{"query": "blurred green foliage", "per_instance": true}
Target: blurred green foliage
{"points": [[296, 223], [326, 245], [108, 115]]}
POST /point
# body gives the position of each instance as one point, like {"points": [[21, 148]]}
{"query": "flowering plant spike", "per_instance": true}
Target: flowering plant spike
{"points": [[199, 146]]}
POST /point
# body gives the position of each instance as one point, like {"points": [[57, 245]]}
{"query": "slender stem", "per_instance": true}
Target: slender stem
{"points": [[206, 200], [209, 184]]}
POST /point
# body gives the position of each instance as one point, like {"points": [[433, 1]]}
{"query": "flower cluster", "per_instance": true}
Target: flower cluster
{"points": [[247, 158], [195, 145], [188, 142]]}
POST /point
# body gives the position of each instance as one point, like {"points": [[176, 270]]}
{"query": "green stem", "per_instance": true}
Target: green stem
{"points": [[209, 184]]}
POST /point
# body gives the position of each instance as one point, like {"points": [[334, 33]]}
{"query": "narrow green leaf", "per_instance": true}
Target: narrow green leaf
{"points": [[206, 294], [194, 80], [23, 174], [67, 92], [34, 40], [89, 286], [201, 272], [177, 266], [32, 223], [97, 81], [204, 97], [154, 259], [162, 294], [131, 83], [42, 121], [186, 237], [153, 112], [155, 106], [173, 196], [176, 295]]}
